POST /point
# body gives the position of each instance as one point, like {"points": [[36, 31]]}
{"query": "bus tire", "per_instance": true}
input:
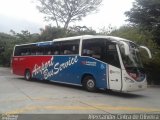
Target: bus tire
{"points": [[27, 75], [89, 83]]}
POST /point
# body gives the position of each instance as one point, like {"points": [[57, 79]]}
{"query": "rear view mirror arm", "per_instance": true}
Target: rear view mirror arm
{"points": [[148, 51]]}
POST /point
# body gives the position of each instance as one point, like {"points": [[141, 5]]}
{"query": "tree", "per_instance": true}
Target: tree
{"points": [[80, 30], [24, 37], [5, 48], [1, 49], [8, 41], [146, 14], [67, 11], [107, 30], [49, 33]]}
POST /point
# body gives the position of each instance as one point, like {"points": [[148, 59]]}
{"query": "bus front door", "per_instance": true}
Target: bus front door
{"points": [[115, 82]]}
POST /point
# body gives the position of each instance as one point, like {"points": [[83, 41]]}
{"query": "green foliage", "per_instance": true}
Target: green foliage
{"points": [[9, 41], [50, 33], [106, 30], [141, 38], [80, 30], [24, 37], [5, 39], [146, 14]]}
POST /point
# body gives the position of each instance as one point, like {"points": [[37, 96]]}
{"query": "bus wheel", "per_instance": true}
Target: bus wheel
{"points": [[89, 84], [27, 75]]}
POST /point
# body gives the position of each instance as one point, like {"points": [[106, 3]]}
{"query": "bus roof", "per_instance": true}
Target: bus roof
{"points": [[83, 37], [37, 43]]}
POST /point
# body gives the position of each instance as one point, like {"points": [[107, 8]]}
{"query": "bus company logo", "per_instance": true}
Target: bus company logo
{"points": [[50, 68], [89, 63], [44, 66]]}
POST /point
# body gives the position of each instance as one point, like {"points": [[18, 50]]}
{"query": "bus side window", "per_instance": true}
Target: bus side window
{"points": [[33, 52], [93, 48], [55, 50], [39, 51], [47, 50], [23, 52], [56, 53], [18, 51], [70, 47]]}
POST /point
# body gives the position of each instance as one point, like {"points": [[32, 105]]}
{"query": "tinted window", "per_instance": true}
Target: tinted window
{"points": [[55, 48], [112, 54], [69, 47], [101, 49], [26, 50], [93, 48], [23, 50]]}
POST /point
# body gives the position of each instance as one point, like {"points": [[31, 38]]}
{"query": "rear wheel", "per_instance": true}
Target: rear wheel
{"points": [[89, 84], [27, 75]]}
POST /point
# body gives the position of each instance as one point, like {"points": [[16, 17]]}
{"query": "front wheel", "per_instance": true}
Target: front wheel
{"points": [[27, 75], [89, 84]]}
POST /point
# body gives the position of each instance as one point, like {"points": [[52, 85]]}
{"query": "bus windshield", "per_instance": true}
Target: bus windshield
{"points": [[133, 59]]}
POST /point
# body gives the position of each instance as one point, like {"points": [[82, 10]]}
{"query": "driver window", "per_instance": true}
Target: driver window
{"points": [[112, 55]]}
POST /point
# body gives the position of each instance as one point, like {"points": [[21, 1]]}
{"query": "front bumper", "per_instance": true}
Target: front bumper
{"points": [[136, 86]]}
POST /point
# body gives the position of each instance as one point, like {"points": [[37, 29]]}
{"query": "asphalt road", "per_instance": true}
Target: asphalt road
{"points": [[18, 96]]}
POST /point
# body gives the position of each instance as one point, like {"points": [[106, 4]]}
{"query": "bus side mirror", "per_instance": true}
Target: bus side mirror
{"points": [[126, 48], [148, 51]]}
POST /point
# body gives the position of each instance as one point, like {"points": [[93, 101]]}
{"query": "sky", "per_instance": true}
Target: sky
{"points": [[23, 15]]}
